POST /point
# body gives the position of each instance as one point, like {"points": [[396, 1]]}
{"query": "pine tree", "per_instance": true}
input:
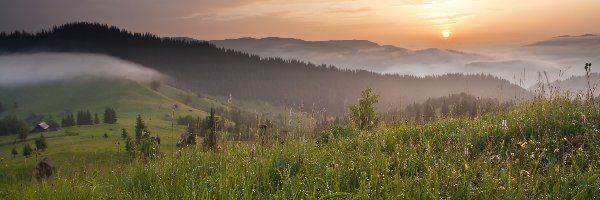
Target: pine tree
{"points": [[14, 152], [106, 119], [445, 109], [124, 134], [79, 118], [141, 131], [27, 150], [210, 141], [96, 119], [113, 116], [40, 143]]}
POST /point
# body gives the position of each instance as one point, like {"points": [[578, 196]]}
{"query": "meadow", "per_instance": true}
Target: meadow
{"points": [[548, 149]]}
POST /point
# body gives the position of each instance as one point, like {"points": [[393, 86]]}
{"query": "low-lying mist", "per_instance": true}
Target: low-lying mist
{"points": [[25, 69]]}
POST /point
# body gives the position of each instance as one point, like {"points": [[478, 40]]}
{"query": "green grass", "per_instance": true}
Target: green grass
{"points": [[84, 148], [549, 150]]}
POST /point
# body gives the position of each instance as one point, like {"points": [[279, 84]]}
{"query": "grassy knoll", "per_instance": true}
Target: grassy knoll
{"points": [[549, 149]]}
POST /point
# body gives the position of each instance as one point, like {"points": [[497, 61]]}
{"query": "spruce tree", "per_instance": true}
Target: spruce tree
{"points": [[113, 116], [124, 134], [141, 131], [27, 150], [107, 114], [14, 152], [40, 143], [210, 141], [96, 119]]}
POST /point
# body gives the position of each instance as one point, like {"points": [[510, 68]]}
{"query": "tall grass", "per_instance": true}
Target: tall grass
{"points": [[549, 149]]}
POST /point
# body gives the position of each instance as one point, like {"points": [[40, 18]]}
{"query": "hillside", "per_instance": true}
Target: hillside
{"points": [[129, 98], [202, 67]]}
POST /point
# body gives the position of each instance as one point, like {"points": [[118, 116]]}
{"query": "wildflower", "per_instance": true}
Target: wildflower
{"points": [[504, 125], [556, 150], [466, 152]]}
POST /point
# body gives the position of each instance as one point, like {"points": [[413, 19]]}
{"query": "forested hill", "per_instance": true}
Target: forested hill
{"points": [[204, 68]]}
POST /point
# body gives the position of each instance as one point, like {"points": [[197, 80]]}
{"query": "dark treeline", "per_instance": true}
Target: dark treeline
{"points": [[10, 125], [68, 120], [455, 105], [241, 127], [110, 116], [205, 68], [84, 118]]}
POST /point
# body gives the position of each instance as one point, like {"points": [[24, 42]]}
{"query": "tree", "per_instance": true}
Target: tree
{"points": [[124, 134], [445, 109], [96, 119], [68, 121], [110, 116], [113, 115], [1, 108], [210, 141], [143, 143], [363, 114], [40, 143], [15, 105], [14, 152], [141, 131], [27, 150]]}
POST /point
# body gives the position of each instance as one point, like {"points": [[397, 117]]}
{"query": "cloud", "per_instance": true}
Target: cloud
{"points": [[23, 69]]}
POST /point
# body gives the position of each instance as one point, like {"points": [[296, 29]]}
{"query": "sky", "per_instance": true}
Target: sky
{"points": [[412, 24]]}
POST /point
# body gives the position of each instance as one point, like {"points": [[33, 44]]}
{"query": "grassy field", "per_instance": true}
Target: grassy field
{"points": [[84, 148], [548, 150]]}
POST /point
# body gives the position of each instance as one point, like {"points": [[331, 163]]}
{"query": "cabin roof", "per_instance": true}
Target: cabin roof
{"points": [[43, 125]]}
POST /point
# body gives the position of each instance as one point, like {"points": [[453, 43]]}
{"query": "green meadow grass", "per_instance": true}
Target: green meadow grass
{"points": [[83, 148], [549, 150]]}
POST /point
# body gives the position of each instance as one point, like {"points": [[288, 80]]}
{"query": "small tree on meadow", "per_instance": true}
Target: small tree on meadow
{"points": [[210, 141], [363, 114], [124, 134], [40, 143], [27, 150], [14, 152]]}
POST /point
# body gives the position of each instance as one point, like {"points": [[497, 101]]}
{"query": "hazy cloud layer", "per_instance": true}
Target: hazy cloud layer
{"points": [[22, 69], [556, 58]]}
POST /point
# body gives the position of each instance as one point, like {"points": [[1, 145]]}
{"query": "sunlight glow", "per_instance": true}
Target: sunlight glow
{"points": [[446, 33]]}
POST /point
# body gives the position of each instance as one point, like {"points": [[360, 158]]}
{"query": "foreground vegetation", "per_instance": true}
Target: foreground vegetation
{"points": [[547, 149]]}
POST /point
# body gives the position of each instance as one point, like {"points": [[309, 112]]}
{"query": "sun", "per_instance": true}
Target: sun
{"points": [[446, 33]]}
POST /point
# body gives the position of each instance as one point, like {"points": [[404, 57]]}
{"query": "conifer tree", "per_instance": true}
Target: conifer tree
{"points": [[96, 119], [40, 143], [210, 141], [14, 152], [27, 150], [124, 134]]}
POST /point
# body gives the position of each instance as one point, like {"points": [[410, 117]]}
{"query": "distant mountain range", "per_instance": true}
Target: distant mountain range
{"points": [[522, 65], [205, 68]]}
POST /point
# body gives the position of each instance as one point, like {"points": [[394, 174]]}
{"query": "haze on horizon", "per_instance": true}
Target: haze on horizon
{"points": [[474, 24]]}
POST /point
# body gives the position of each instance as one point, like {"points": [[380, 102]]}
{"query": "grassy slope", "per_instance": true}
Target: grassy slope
{"points": [[78, 148], [549, 150]]}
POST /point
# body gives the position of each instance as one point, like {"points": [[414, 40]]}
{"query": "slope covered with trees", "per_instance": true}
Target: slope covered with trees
{"points": [[205, 68]]}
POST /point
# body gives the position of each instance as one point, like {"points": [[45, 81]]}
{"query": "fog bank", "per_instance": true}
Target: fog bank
{"points": [[24, 69]]}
